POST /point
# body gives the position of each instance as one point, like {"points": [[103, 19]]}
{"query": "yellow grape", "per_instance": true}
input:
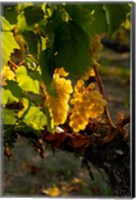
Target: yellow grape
{"points": [[7, 74], [58, 105], [89, 73], [86, 104]]}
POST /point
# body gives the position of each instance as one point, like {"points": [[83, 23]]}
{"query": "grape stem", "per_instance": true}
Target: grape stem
{"points": [[13, 65], [100, 84]]}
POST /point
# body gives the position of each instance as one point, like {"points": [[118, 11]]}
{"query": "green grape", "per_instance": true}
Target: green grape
{"points": [[87, 103], [6, 74], [58, 105]]}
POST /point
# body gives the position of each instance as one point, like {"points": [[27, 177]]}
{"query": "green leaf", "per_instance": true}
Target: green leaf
{"points": [[8, 97], [72, 49], [26, 82], [27, 129], [14, 88], [32, 41], [89, 6], [33, 14], [21, 23], [116, 14], [91, 17], [50, 125], [126, 7], [9, 138], [8, 41], [9, 121], [99, 23], [32, 115], [56, 18], [26, 106], [47, 30], [79, 14], [10, 13], [35, 75], [5, 25], [48, 26], [9, 116], [47, 68], [35, 98], [35, 118]]}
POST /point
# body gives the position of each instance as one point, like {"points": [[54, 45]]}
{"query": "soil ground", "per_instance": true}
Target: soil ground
{"points": [[60, 174]]}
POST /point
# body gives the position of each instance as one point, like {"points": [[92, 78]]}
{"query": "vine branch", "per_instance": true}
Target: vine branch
{"points": [[100, 84]]}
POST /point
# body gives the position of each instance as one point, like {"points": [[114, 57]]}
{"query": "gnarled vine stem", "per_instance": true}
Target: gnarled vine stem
{"points": [[100, 84]]}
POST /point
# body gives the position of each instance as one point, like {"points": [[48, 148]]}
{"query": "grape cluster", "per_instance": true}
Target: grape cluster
{"points": [[58, 105], [6, 74], [96, 46], [88, 74], [87, 103]]}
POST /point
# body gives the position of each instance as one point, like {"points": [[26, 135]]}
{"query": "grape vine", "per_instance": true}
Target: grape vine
{"points": [[50, 78]]}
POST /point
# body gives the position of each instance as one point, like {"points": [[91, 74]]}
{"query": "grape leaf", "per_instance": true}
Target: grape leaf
{"points": [[27, 129], [10, 13], [72, 52], [33, 14], [50, 124], [32, 115], [48, 26], [9, 138], [116, 14], [47, 67], [45, 64], [89, 6], [35, 118], [32, 41], [79, 14], [26, 106], [8, 41], [22, 24], [26, 82], [35, 74], [8, 97], [14, 88], [92, 22], [126, 7], [9, 122], [35, 98], [9, 116], [99, 23], [71, 46]]}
